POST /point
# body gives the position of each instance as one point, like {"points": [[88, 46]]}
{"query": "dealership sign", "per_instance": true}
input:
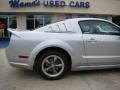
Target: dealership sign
{"points": [[18, 3], [48, 3]]}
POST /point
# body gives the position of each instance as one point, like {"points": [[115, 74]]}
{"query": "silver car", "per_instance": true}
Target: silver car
{"points": [[73, 44]]}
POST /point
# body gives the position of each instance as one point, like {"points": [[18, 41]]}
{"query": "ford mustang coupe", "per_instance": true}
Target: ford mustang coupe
{"points": [[73, 44]]}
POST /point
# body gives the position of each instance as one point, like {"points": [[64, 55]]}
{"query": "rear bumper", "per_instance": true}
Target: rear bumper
{"points": [[19, 65]]}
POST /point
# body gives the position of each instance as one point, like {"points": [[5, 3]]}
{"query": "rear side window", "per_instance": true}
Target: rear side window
{"points": [[99, 27]]}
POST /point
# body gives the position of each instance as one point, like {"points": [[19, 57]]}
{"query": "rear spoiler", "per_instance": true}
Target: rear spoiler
{"points": [[14, 32]]}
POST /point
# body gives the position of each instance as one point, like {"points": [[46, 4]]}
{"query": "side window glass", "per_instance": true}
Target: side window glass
{"points": [[89, 27], [108, 28], [99, 27]]}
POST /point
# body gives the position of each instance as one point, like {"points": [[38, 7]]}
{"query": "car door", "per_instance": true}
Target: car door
{"points": [[102, 42]]}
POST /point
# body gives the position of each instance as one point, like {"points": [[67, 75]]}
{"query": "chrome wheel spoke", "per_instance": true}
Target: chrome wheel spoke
{"points": [[47, 61], [55, 58], [48, 68], [54, 70], [59, 65]]}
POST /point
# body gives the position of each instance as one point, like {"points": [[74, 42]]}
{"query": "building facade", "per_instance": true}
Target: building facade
{"points": [[31, 14]]}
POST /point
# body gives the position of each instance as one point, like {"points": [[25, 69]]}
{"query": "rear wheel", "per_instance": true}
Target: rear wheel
{"points": [[52, 65]]}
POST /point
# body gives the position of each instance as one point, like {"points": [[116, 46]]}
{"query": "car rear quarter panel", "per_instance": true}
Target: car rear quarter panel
{"points": [[32, 43], [71, 43]]}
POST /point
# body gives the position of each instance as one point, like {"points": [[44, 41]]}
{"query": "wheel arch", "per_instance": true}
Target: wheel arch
{"points": [[54, 43], [59, 49]]}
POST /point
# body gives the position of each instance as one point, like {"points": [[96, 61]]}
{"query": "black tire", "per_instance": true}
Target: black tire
{"points": [[63, 60]]}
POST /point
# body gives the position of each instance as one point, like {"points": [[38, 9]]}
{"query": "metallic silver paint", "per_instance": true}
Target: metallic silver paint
{"points": [[87, 51]]}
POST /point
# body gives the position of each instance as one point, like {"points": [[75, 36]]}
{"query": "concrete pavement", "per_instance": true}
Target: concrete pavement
{"points": [[21, 79]]}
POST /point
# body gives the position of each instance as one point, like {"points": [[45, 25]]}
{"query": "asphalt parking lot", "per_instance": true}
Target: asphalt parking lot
{"points": [[21, 79]]}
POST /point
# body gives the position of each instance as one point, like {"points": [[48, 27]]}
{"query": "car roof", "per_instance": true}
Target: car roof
{"points": [[82, 19]]}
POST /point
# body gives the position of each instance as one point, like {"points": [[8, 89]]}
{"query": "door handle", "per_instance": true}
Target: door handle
{"points": [[92, 40]]}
